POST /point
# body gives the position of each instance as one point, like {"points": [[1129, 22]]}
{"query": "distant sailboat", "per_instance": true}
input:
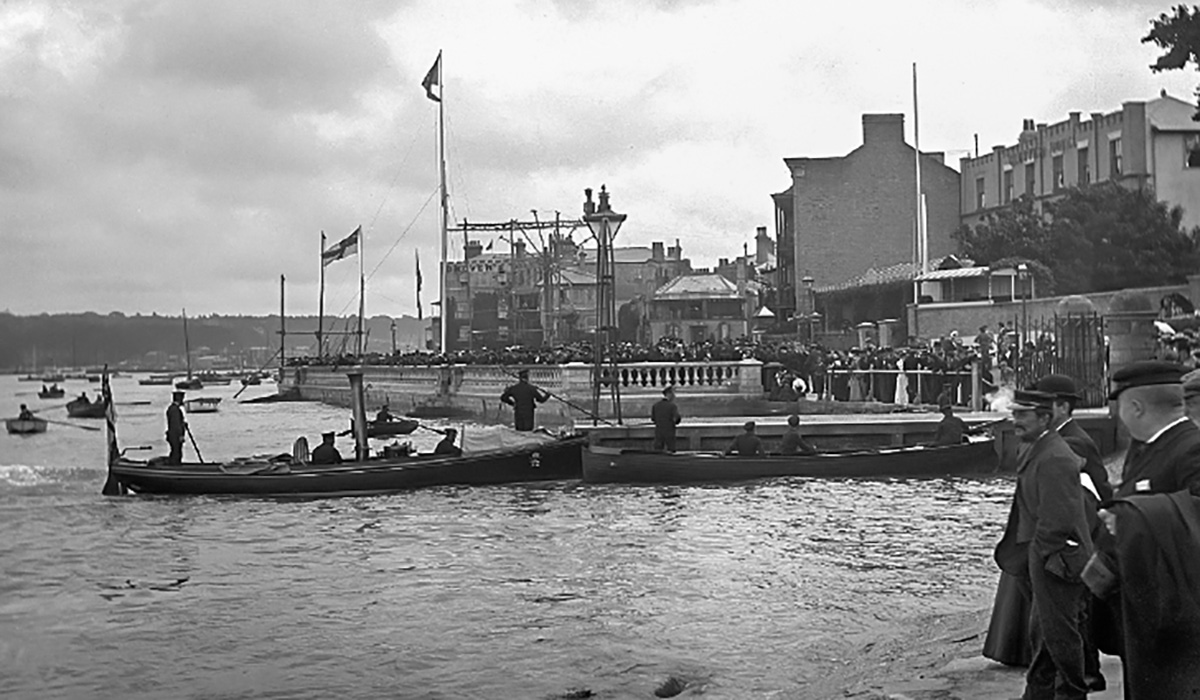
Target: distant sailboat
{"points": [[191, 382]]}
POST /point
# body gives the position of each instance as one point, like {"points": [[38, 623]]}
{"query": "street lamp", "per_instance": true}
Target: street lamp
{"points": [[604, 224], [1023, 337]]}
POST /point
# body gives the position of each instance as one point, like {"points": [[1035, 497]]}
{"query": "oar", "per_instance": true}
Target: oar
{"points": [[188, 428], [552, 395], [73, 425], [981, 426]]}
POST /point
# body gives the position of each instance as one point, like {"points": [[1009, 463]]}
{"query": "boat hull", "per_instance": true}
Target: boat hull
{"points": [[79, 409], [18, 426], [385, 429], [615, 465], [556, 461]]}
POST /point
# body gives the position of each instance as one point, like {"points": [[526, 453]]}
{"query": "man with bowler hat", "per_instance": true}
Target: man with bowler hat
{"points": [[176, 428], [1046, 545], [523, 396]]}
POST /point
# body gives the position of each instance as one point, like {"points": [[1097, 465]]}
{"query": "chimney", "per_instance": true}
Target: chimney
{"points": [[519, 249], [656, 251], [763, 245], [883, 128]]}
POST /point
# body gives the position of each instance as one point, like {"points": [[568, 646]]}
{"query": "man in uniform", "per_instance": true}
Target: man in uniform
{"points": [[747, 444], [665, 416], [1046, 544], [326, 452], [176, 427], [1165, 453], [523, 397]]}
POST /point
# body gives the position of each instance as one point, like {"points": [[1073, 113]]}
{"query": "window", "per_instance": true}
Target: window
{"points": [[1029, 178], [1056, 168], [980, 198], [1191, 151], [1008, 185], [1114, 158], [1085, 170]]}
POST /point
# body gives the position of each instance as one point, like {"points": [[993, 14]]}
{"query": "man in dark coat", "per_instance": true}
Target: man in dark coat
{"points": [[665, 416], [446, 446], [1046, 544], [747, 444], [326, 452], [793, 442], [176, 427], [523, 397], [951, 429]]}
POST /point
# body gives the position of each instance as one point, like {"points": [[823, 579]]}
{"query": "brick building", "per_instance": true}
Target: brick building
{"points": [[1151, 144], [845, 215]]}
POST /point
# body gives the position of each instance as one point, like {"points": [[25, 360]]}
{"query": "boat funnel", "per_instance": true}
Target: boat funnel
{"points": [[358, 407]]}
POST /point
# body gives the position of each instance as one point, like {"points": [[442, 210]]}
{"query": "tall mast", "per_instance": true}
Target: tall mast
{"points": [[282, 329], [321, 302], [922, 254], [187, 346], [362, 291], [442, 186]]}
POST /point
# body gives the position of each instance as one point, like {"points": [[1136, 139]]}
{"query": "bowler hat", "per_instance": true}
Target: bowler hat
{"points": [[1062, 386], [1032, 400], [1191, 384], [177, 394], [1145, 373]]}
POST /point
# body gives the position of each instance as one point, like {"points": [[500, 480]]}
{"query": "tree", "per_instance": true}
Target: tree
{"points": [[1017, 231], [1179, 35]]}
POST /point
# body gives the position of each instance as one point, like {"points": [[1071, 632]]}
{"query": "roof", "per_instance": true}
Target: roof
{"points": [[954, 273], [703, 286], [900, 272], [576, 277], [627, 254], [1168, 113]]}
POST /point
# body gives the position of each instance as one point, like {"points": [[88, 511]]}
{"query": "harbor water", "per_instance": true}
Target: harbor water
{"points": [[753, 590]]}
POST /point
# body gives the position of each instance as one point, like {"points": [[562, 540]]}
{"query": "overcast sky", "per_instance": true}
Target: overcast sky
{"points": [[161, 155]]}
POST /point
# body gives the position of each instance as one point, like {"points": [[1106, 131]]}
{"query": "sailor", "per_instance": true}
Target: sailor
{"points": [[951, 429], [25, 413], [176, 427], [747, 444], [326, 452], [665, 416], [793, 442], [447, 446], [523, 397]]}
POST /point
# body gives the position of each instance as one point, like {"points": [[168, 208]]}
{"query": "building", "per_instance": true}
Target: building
{"points": [[638, 272], [700, 307], [845, 215], [1152, 144]]}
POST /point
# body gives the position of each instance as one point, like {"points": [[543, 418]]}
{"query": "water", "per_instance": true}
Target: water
{"points": [[526, 591]]}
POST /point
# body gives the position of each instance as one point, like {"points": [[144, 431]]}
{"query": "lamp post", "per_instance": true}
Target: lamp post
{"points": [[604, 224], [1023, 336]]}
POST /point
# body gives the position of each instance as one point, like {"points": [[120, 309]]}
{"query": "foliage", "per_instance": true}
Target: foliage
{"points": [[1096, 238], [1178, 34]]}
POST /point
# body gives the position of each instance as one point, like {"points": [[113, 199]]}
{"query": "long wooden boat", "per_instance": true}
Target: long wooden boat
{"points": [[54, 392], [25, 426], [82, 408], [157, 380], [622, 465]]}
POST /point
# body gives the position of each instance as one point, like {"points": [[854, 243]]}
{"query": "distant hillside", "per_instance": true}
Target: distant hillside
{"points": [[90, 339]]}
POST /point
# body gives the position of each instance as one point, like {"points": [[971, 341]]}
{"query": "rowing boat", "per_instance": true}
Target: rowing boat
{"points": [[25, 426], [622, 465]]}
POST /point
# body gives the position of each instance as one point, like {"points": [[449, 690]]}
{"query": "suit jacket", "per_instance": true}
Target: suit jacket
{"points": [[1083, 445], [1170, 463], [1048, 520]]}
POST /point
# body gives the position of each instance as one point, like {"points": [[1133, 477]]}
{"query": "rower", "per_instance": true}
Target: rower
{"points": [[83, 398], [25, 413], [747, 444], [384, 415], [447, 446]]}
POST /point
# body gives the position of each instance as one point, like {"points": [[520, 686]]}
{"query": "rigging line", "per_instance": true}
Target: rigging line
{"points": [[399, 171], [403, 233]]}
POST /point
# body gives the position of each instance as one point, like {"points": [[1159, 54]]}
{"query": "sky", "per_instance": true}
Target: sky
{"points": [[156, 156]]}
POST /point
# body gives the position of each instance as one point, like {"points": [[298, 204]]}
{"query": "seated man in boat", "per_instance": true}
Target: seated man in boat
{"points": [[384, 415], [447, 446], [951, 430], [793, 443], [747, 444], [83, 398], [326, 452], [25, 413]]}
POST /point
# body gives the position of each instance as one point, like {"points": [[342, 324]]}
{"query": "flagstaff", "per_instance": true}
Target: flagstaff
{"points": [[321, 303]]}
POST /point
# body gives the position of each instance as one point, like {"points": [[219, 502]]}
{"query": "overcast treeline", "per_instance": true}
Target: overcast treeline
{"points": [[91, 339]]}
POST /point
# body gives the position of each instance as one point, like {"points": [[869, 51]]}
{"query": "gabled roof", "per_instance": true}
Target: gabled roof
{"points": [[1168, 113], [703, 286]]}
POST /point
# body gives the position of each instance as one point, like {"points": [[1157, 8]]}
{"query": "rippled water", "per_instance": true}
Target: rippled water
{"points": [[524, 591]]}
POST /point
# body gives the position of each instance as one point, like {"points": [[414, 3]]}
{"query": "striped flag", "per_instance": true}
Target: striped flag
{"points": [[344, 248]]}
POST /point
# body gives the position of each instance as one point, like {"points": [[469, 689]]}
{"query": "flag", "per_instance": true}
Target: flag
{"points": [[420, 315], [489, 247], [344, 248], [433, 77]]}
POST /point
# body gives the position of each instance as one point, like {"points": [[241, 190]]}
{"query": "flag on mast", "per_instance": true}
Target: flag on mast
{"points": [[433, 77], [420, 314], [342, 249]]}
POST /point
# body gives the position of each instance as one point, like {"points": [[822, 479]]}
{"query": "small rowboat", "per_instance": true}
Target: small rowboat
{"points": [[202, 404], [157, 380], [25, 426], [82, 408], [630, 466], [54, 392], [385, 429]]}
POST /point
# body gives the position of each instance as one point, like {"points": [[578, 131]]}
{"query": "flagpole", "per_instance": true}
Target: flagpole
{"points": [[442, 185], [321, 303], [922, 259], [362, 291]]}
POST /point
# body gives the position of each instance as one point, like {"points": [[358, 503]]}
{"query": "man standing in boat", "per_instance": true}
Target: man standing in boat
{"points": [[176, 427], [523, 397], [665, 416]]}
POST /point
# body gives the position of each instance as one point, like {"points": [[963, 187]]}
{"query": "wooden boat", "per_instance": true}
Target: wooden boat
{"points": [[539, 458], [202, 404], [157, 380], [385, 429], [214, 378], [83, 408], [632, 466], [52, 392], [25, 426]]}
